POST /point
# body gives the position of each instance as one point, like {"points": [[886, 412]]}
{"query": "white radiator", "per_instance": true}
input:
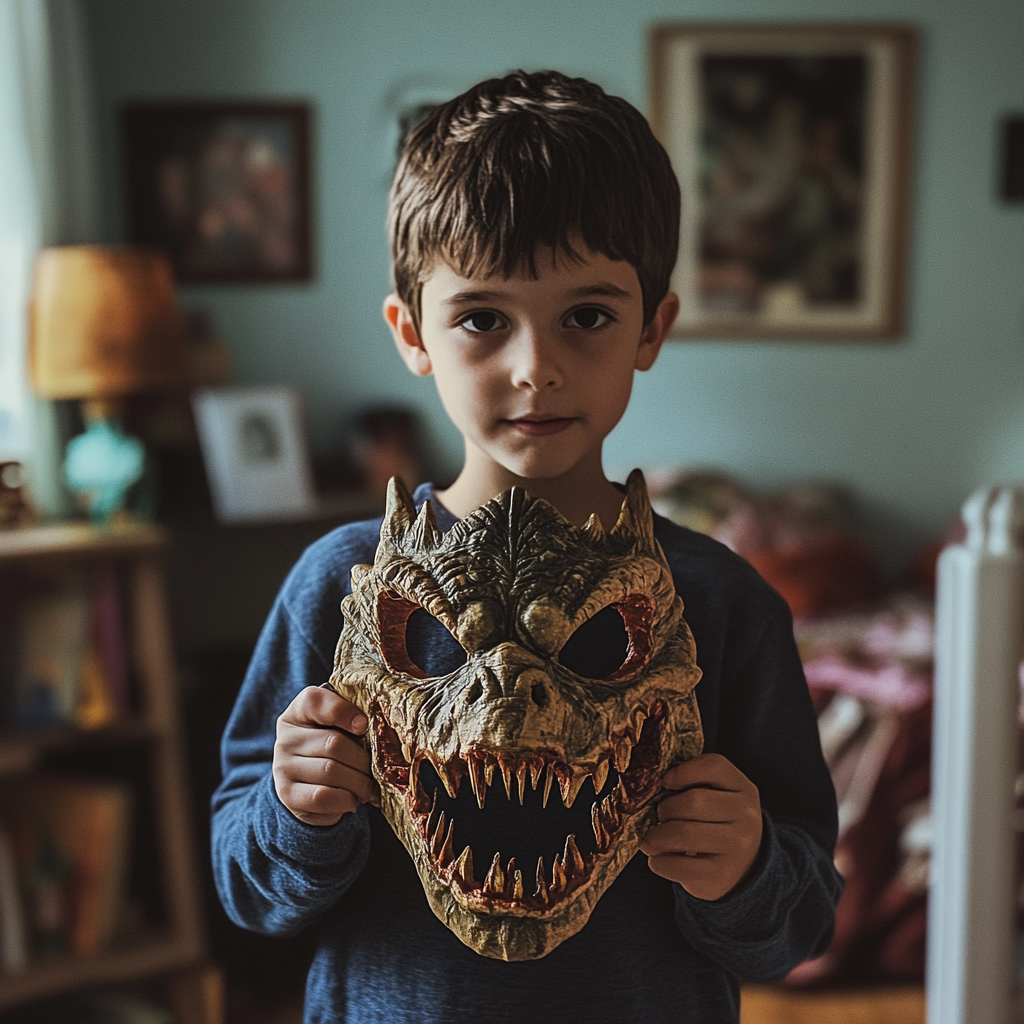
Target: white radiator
{"points": [[980, 619]]}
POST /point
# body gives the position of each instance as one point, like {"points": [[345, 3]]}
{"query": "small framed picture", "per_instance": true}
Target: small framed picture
{"points": [[792, 147], [222, 188], [255, 452]]}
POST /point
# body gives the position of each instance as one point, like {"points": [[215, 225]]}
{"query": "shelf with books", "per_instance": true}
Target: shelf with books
{"points": [[97, 880]]}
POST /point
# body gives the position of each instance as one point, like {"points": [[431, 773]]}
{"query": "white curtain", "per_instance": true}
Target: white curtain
{"points": [[47, 197]]}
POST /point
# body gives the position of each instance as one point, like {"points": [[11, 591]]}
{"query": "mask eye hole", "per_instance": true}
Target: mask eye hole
{"points": [[430, 646], [613, 643], [413, 641]]}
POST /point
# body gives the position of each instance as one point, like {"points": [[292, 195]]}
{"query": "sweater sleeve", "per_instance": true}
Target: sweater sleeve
{"points": [[783, 912], [274, 873]]}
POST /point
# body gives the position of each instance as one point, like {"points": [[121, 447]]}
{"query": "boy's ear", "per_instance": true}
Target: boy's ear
{"points": [[407, 338], [657, 331]]}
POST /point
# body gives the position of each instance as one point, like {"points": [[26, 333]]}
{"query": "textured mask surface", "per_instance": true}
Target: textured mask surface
{"points": [[523, 780]]}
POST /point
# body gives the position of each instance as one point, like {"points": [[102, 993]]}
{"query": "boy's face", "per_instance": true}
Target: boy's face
{"points": [[534, 373]]}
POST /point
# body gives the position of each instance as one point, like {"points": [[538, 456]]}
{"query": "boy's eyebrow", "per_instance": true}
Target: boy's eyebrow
{"points": [[606, 289], [475, 296], [603, 289]]}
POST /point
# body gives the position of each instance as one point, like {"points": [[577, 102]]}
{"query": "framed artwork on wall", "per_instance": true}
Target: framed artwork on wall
{"points": [[792, 147], [222, 188], [255, 452]]}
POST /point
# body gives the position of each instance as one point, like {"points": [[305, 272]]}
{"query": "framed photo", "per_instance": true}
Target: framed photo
{"points": [[222, 188], [255, 452], [792, 147]]}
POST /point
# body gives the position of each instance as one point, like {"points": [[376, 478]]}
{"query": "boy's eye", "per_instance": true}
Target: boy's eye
{"points": [[482, 321], [587, 318]]}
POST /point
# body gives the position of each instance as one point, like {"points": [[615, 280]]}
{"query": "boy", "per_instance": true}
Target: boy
{"points": [[533, 226]]}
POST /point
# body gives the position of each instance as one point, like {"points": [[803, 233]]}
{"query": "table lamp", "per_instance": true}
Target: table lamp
{"points": [[104, 324]]}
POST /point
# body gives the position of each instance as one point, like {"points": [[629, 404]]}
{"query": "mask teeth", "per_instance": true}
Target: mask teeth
{"points": [[557, 876], [636, 720], [600, 776], [572, 858], [477, 779], [447, 854], [494, 883], [541, 892], [600, 837], [510, 878], [569, 782], [462, 869], [549, 778], [406, 751], [506, 776], [448, 775], [521, 773], [437, 839], [536, 771], [517, 887], [623, 751]]}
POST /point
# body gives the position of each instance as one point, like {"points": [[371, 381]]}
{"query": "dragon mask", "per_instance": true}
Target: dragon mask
{"points": [[567, 692]]}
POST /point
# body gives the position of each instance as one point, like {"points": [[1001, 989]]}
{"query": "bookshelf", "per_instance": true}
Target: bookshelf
{"points": [[137, 750]]}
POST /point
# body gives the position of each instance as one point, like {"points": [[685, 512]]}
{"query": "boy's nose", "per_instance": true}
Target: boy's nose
{"points": [[535, 365]]}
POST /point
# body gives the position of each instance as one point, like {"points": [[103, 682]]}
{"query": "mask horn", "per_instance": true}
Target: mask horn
{"points": [[424, 535], [636, 521], [399, 513]]}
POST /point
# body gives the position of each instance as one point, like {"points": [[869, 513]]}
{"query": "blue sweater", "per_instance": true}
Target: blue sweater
{"points": [[650, 952]]}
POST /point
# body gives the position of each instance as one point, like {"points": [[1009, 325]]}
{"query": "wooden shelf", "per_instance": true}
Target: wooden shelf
{"points": [[67, 540], [44, 978], [175, 953], [21, 751]]}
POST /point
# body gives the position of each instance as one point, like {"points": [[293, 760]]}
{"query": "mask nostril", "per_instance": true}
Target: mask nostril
{"points": [[476, 691], [539, 695]]}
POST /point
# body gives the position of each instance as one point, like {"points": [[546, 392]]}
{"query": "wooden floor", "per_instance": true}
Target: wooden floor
{"points": [[767, 1005]]}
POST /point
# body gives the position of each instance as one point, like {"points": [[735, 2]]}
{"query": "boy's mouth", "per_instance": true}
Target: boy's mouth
{"points": [[541, 427]]}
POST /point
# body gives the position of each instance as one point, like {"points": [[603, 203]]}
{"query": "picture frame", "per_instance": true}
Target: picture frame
{"points": [[255, 452], [792, 144], [222, 188]]}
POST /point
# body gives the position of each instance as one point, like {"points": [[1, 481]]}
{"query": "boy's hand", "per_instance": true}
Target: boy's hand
{"points": [[320, 771], [709, 829]]}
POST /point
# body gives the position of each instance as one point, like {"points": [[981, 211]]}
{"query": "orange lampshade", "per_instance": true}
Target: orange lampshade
{"points": [[104, 323]]}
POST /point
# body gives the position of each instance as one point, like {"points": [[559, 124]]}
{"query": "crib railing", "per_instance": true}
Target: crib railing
{"points": [[971, 906]]}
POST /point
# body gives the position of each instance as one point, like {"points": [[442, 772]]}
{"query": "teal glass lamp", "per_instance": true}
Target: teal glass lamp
{"points": [[105, 324]]}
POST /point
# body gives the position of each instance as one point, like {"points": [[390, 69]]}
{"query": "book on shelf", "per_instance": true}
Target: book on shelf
{"points": [[70, 650], [13, 933], [71, 839]]}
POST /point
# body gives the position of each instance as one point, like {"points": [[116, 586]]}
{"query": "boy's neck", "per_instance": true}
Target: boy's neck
{"points": [[576, 494]]}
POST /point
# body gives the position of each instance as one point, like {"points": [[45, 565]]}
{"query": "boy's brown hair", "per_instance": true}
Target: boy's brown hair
{"points": [[529, 161]]}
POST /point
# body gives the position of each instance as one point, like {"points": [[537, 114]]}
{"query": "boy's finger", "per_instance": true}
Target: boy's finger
{"points": [[318, 805], [304, 741], [321, 707], [323, 773], [702, 804], [698, 875], [712, 770], [694, 838]]}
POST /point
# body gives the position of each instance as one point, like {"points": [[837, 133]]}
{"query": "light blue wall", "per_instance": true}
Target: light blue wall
{"points": [[913, 427]]}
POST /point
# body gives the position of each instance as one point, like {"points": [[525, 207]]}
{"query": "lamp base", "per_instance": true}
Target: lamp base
{"points": [[101, 466]]}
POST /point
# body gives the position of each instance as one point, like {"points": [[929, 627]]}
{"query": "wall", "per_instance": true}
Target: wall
{"points": [[913, 426]]}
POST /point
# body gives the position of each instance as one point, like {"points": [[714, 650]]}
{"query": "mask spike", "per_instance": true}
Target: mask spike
{"points": [[636, 521], [399, 513], [593, 529], [424, 534]]}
